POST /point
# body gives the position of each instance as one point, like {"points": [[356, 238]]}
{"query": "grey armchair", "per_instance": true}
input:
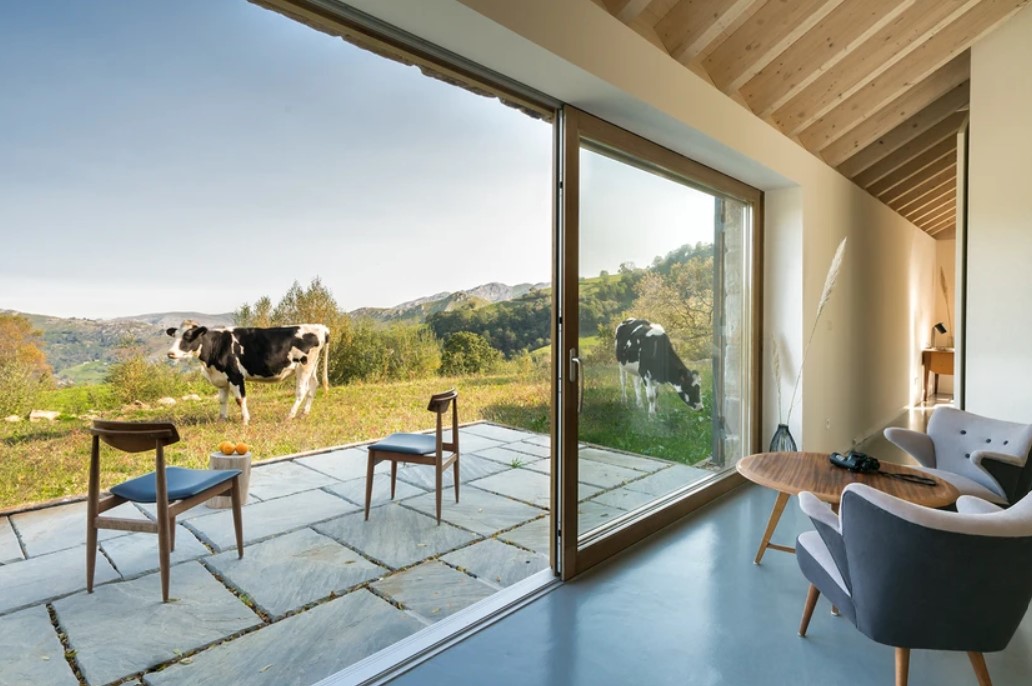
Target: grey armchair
{"points": [[914, 577], [983, 457]]}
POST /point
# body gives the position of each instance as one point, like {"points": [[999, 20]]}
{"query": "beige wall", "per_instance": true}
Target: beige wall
{"points": [[999, 281], [946, 264], [864, 363]]}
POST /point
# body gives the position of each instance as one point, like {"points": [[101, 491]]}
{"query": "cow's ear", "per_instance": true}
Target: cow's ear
{"points": [[171, 332]]}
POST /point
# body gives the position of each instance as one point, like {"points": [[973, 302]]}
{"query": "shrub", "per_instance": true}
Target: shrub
{"points": [[468, 353], [395, 352], [20, 386], [136, 378]]}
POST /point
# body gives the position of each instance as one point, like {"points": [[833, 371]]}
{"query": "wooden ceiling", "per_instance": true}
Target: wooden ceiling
{"points": [[876, 88]]}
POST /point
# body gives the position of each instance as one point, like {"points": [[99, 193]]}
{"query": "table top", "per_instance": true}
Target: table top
{"points": [[793, 473]]}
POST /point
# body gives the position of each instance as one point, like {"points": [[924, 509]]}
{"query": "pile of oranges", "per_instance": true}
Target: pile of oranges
{"points": [[229, 447]]}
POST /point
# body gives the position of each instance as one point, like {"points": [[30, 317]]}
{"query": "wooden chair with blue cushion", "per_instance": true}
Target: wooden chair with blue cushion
{"points": [[172, 489], [429, 449]]}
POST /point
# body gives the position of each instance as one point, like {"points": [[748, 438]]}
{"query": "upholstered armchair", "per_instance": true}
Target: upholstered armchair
{"points": [[915, 577], [983, 457]]}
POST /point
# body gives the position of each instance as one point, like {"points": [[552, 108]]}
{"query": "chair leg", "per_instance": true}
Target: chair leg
{"points": [[902, 666], [172, 534], [368, 484], [455, 477], [981, 670], [394, 476], [237, 500], [164, 558], [437, 474], [91, 553], [811, 602], [92, 503]]}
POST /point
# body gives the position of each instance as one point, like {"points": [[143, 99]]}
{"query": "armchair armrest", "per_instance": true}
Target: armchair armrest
{"points": [[1016, 460], [819, 511], [969, 504], [915, 443]]}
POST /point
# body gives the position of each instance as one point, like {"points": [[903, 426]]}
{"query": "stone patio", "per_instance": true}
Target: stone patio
{"points": [[319, 588]]}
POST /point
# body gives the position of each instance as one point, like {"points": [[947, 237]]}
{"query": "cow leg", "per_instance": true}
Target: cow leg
{"points": [[313, 386], [238, 394], [623, 383], [650, 394], [300, 390], [637, 381], [223, 403]]}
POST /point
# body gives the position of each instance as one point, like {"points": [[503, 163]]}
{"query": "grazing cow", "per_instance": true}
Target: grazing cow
{"points": [[643, 349], [229, 355]]}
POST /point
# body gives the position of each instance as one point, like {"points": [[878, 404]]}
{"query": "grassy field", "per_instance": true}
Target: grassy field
{"points": [[42, 461]]}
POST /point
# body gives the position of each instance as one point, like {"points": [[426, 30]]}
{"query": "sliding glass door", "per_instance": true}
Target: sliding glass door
{"points": [[657, 350]]}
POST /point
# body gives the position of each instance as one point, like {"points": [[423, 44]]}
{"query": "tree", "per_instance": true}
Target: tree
{"points": [[24, 371], [679, 296], [466, 352]]}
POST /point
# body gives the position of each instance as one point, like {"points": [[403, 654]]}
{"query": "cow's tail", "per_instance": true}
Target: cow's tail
{"points": [[326, 363]]}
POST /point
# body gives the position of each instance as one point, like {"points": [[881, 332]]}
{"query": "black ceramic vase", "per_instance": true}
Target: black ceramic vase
{"points": [[782, 441]]}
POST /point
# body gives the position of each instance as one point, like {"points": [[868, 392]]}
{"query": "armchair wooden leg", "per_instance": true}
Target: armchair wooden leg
{"points": [[237, 499], [981, 670], [811, 602], [369, 484], [902, 666]]}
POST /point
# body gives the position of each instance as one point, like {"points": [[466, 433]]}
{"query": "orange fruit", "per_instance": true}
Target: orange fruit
{"points": [[242, 448], [227, 447]]}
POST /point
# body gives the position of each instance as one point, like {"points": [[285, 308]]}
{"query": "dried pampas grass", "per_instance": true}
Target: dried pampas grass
{"points": [[775, 354], [945, 296], [829, 286]]}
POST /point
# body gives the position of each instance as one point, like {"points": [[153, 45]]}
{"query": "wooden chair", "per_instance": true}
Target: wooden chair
{"points": [[428, 449], [173, 489]]}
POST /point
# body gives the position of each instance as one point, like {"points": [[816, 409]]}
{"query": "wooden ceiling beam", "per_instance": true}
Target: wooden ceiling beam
{"points": [[627, 10], [945, 149], [771, 30], [692, 26], [829, 42], [850, 126], [947, 129], [894, 42], [897, 138], [924, 191], [931, 179], [939, 226], [947, 196], [942, 211]]}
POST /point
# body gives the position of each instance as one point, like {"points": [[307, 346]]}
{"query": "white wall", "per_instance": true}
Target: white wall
{"points": [[865, 360], [999, 280]]}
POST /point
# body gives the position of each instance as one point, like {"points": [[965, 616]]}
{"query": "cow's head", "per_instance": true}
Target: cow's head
{"points": [[188, 340], [689, 388]]}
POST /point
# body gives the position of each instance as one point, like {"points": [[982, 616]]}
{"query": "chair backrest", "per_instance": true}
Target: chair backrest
{"points": [[957, 434], [439, 404], [924, 578], [135, 437]]}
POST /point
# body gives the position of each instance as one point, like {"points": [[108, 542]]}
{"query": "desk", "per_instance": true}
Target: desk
{"points": [[936, 361], [790, 473]]}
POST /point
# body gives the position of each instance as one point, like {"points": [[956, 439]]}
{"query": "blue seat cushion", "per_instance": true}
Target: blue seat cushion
{"points": [[412, 444], [181, 483]]}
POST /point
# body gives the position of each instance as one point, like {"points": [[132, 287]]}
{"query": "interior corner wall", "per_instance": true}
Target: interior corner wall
{"points": [[998, 364], [864, 363]]}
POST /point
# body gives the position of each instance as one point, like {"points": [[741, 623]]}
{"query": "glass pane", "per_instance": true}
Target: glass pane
{"points": [[663, 300]]}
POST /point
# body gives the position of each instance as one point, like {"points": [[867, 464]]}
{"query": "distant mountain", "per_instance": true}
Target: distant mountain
{"points": [[416, 311], [167, 320]]}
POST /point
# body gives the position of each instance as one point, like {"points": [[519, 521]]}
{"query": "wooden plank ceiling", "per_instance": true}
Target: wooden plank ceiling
{"points": [[876, 88]]}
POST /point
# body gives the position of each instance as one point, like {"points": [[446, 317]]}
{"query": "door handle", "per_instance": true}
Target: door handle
{"points": [[577, 377]]}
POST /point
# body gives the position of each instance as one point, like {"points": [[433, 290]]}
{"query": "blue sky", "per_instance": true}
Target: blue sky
{"points": [[197, 154]]}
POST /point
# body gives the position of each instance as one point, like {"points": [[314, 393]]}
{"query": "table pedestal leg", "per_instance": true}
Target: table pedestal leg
{"points": [[775, 517]]}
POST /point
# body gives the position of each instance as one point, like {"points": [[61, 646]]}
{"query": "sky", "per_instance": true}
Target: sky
{"points": [[194, 155]]}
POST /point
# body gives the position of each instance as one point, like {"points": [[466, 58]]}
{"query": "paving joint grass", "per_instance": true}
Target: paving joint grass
{"points": [[69, 653]]}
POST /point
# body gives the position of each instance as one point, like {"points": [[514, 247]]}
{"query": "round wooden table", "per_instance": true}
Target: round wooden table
{"points": [[791, 473]]}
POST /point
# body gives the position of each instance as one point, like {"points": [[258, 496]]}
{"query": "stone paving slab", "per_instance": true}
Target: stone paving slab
{"points": [[32, 653], [668, 480], [433, 590], [299, 650], [472, 443], [540, 439], [288, 572], [269, 518], [342, 465], [477, 510], [532, 535], [10, 551], [64, 526], [521, 484], [124, 628], [592, 515], [354, 490], [137, 553], [395, 536], [623, 498], [196, 511], [43, 578], [506, 455], [470, 467], [497, 433], [535, 449], [640, 463], [540, 465], [286, 478], [603, 475], [496, 562]]}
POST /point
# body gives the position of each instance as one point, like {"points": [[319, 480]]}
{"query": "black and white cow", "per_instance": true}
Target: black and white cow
{"points": [[229, 355], [643, 350]]}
